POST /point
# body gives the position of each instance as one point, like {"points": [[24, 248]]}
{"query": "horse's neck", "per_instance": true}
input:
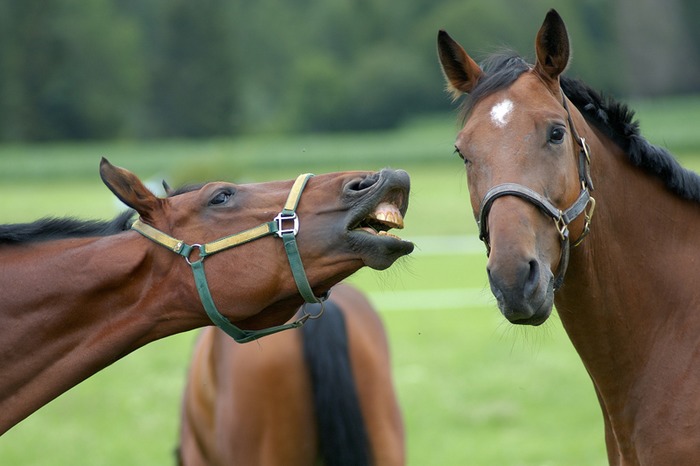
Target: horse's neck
{"points": [[70, 308], [631, 283]]}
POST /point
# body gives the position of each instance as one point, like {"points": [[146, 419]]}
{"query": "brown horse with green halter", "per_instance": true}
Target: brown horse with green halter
{"points": [[535, 145], [78, 295]]}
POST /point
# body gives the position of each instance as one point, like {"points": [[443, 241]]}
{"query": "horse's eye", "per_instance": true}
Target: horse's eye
{"points": [[221, 198], [459, 154], [556, 135]]}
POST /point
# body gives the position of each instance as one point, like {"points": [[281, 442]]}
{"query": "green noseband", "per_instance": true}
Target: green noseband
{"points": [[285, 225]]}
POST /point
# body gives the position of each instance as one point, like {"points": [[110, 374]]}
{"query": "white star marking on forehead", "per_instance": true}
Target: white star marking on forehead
{"points": [[500, 113]]}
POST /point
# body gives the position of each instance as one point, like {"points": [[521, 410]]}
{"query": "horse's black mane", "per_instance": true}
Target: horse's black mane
{"points": [[47, 229], [614, 119]]}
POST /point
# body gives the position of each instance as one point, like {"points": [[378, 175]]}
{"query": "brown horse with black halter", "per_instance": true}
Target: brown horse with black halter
{"points": [[322, 395], [535, 144], [77, 296]]}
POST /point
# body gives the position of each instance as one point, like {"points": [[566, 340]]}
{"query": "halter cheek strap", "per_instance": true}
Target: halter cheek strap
{"points": [[285, 225]]}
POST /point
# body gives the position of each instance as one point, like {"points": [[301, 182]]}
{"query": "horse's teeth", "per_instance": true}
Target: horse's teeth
{"points": [[389, 214], [384, 233]]}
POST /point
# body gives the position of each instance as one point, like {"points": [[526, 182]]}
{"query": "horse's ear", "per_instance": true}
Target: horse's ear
{"points": [[166, 187], [552, 47], [130, 190], [461, 72]]}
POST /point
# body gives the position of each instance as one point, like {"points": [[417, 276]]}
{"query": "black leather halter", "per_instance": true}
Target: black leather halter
{"points": [[562, 218]]}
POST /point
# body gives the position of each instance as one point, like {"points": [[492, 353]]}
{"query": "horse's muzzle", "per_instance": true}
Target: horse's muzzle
{"points": [[524, 290], [378, 203]]}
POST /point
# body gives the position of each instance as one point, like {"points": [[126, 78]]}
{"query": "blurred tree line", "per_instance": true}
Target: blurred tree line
{"points": [[86, 69]]}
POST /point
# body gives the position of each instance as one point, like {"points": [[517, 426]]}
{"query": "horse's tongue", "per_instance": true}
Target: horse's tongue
{"points": [[389, 214]]}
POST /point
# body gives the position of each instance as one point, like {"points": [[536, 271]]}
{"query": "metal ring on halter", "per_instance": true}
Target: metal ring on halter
{"points": [[201, 252], [313, 316]]}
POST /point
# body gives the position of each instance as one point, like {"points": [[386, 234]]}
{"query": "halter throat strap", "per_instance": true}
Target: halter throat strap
{"points": [[285, 225], [584, 204]]}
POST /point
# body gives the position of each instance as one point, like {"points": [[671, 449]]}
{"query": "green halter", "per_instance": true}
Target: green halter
{"points": [[280, 225]]}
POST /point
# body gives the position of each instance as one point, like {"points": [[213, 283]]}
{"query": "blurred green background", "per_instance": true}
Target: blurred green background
{"points": [[253, 91], [96, 69]]}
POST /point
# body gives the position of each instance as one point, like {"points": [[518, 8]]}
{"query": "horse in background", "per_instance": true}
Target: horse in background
{"points": [[324, 393], [622, 268]]}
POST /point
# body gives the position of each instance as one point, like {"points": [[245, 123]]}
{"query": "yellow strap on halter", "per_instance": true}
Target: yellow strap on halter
{"points": [[158, 236], [295, 192], [239, 238], [220, 244]]}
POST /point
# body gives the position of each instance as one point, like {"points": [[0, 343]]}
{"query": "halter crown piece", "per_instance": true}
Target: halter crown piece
{"points": [[584, 204], [285, 225]]}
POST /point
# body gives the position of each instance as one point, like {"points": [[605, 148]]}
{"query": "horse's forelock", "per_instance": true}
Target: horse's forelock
{"points": [[500, 71]]}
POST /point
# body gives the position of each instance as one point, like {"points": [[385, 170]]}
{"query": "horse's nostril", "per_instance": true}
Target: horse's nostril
{"points": [[496, 284], [522, 282], [532, 279], [364, 183]]}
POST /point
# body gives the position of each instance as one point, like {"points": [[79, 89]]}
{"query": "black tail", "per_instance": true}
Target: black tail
{"points": [[342, 435]]}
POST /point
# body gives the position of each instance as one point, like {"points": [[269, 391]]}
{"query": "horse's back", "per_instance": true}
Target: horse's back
{"points": [[253, 403], [371, 364]]}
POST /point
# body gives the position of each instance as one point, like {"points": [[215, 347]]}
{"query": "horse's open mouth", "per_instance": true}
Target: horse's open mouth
{"points": [[372, 225], [385, 216]]}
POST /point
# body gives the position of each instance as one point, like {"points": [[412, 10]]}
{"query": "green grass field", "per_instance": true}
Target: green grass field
{"points": [[474, 390]]}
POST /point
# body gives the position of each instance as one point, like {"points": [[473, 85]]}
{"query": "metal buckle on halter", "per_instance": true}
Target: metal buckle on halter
{"points": [[584, 146], [561, 226], [281, 218], [587, 216]]}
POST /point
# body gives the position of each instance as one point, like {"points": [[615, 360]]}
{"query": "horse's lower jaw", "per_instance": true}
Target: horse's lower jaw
{"points": [[378, 251]]}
